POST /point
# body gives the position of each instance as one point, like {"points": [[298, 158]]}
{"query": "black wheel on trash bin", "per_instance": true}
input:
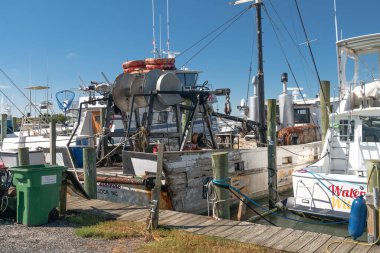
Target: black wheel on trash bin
{"points": [[53, 215]]}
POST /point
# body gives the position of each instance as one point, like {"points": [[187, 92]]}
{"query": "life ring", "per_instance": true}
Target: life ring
{"points": [[135, 63], [160, 61], [130, 70], [163, 67]]}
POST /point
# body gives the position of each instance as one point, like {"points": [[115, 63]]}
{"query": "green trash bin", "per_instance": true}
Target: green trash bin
{"points": [[38, 192]]}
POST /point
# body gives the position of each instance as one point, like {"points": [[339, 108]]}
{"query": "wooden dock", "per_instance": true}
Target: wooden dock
{"points": [[285, 239]]}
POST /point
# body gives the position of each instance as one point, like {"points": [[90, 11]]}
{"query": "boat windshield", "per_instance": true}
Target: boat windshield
{"points": [[188, 79], [371, 129]]}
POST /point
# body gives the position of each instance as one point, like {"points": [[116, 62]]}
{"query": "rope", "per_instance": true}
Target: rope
{"points": [[223, 183]]}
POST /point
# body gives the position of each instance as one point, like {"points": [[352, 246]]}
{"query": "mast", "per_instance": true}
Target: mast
{"points": [[260, 73], [154, 32]]}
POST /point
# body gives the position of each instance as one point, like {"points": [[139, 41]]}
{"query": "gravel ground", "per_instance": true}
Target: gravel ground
{"points": [[57, 236]]}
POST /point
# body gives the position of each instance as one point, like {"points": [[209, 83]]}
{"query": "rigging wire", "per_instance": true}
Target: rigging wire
{"points": [[287, 60], [218, 34], [213, 31], [312, 55], [250, 65]]}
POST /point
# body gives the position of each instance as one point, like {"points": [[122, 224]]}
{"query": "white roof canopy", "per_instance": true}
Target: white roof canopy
{"points": [[361, 44]]}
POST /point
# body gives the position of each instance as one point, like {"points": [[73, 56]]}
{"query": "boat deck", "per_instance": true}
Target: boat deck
{"points": [[284, 239]]}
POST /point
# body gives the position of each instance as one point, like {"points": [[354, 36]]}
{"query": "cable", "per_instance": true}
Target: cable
{"points": [[213, 31], [217, 35], [222, 183]]}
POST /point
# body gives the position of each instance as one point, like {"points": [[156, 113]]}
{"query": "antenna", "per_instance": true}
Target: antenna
{"points": [[336, 22], [154, 32], [167, 26], [160, 36]]}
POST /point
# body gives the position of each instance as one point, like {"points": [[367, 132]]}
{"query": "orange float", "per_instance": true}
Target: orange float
{"points": [[134, 64], [160, 61], [163, 67]]}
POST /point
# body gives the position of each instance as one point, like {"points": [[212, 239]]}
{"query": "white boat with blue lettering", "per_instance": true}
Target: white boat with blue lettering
{"points": [[352, 142]]}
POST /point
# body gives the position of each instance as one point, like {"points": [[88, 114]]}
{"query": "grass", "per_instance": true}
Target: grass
{"points": [[161, 240]]}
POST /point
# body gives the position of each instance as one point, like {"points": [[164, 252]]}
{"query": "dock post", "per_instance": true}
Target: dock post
{"points": [[63, 196], [23, 156], [4, 126], [156, 191], [89, 171], [220, 172], [272, 142], [53, 142], [324, 96], [373, 169], [14, 124]]}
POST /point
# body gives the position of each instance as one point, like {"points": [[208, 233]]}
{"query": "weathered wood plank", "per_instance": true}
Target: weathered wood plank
{"points": [[301, 242], [238, 234], [221, 229], [345, 246], [252, 233], [266, 236], [209, 222], [191, 223], [241, 226], [134, 213], [181, 219], [332, 244], [218, 225], [170, 218], [361, 248], [374, 249], [315, 244], [278, 236], [286, 241]]}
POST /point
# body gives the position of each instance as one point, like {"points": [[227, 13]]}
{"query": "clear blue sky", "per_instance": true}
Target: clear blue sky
{"points": [[60, 40]]}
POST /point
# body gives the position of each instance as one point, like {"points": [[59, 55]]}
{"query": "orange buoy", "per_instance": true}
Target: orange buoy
{"points": [[160, 61], [135, 63]]}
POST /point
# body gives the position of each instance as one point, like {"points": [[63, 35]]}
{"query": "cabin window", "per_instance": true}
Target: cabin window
{"points": [[344, 130], [371, 129], [302, 115], [162, 117], [187, 79]]}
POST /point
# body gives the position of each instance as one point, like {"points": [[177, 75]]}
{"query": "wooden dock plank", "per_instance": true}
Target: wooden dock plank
{"points": [[209, 222], [252, 233], [191, 223], [267, 235], [207, 230], [277, 237], [361, 248], [301, 242], [289, 239], [331, 244], [374, 249], [235, 229], [345, 246], [315, 244], [223, 228]]}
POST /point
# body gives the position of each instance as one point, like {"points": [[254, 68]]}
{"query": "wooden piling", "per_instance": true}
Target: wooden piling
{"points": [[53, 143], [3, 126], [23, 156], [14, 124], [156, 191], [272, 142], [220, 172], [89, 171], [324, 96], [373, 177], [63, 197]]}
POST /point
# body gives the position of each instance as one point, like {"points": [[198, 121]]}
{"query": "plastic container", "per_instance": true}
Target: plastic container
{"points": [[358, 217], [38, 191], [78, 156]]}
